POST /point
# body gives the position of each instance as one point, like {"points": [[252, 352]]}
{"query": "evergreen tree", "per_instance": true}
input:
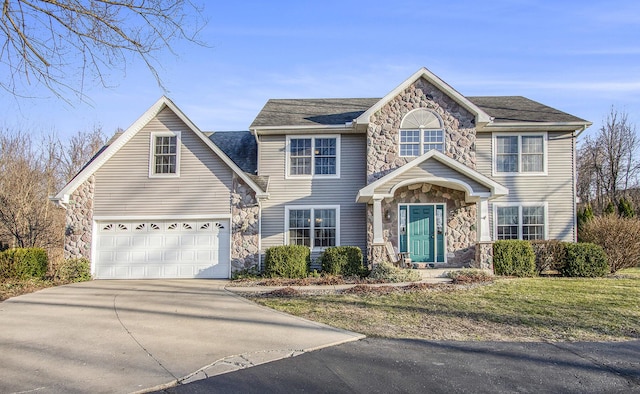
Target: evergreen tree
{"points": [[625, 209]]}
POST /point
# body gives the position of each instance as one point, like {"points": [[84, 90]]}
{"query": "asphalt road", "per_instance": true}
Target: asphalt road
{"points": [[415, 366]]}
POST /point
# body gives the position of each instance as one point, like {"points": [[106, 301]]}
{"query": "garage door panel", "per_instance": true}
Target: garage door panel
{"points": [[163, 249]]}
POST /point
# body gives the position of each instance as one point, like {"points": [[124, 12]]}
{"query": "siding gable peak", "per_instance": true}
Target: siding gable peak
{"points": [[62, 197]]}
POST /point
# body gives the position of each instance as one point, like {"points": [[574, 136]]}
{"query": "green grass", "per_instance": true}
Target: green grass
{"points": [[531, 309]]}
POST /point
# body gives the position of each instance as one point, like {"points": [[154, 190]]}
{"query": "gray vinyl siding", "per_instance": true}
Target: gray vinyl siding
{"points": [[431, 168], [123, 186], [313, 192], [556, 188]]}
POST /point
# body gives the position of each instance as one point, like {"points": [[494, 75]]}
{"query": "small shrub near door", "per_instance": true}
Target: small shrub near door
{"points": [[289, 261], [387, 272], [585, 260], [23, 263], [343, 260], [514, 258]]}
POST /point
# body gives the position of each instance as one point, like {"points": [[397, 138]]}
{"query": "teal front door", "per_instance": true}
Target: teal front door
{"points": [[421, 233]]}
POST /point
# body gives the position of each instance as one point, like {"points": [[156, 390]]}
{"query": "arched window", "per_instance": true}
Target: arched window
{"points": [[420, 131]]}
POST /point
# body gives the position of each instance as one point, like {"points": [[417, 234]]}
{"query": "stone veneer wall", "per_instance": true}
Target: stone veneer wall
{"points": [[383, 157], [461, 222], [383, 132], [79, 221], [245, 213], [484, 256]]}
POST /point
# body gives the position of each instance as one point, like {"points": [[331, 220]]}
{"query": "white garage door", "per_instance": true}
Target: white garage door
{"points": [[148, 249]]}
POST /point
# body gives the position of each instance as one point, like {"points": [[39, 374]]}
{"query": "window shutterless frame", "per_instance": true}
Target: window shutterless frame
{"points": [[528, 224], [515, 154], [312, 156], [315, 223], [164, 154]]}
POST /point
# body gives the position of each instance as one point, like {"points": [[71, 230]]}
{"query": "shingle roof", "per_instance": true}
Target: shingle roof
{"points": [[311, 112], [240, 146], [520, 109], [303, 112]]}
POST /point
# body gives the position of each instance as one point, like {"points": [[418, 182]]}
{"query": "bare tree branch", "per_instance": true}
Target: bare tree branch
{"points": [[44, 41]]}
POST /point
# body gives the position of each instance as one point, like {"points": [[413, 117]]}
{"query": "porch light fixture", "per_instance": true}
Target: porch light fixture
{"points": [[387, 214]]}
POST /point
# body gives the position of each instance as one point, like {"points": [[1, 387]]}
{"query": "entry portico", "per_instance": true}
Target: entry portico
{"points": [[433, 208]]}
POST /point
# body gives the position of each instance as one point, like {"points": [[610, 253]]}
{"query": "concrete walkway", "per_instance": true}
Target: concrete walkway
{"points": [[127, 336]]}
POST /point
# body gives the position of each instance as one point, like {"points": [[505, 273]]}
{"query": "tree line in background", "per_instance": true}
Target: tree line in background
{"points": [[32, 168], [608, 167]]}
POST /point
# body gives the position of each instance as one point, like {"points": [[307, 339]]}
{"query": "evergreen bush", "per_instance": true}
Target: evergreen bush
{"points": [[343, 260], [288, 261], [585, 260], [513, 258]]}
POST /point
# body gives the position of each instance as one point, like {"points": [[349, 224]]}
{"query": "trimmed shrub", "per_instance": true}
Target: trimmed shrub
{"points": [[23, 263], [609, 209], [550, 254], [343, 260], [585, 260], [74, 270], [619, 237], [387, 272], [513, 258], [288, 261]]}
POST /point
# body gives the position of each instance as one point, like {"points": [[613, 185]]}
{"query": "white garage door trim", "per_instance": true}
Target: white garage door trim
{"points": [[153, 248]]}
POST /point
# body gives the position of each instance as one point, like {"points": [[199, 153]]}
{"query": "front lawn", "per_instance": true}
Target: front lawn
{"points": [[532, 309]]}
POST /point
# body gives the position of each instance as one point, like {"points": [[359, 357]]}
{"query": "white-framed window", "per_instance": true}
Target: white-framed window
{"points": [[524, 154], [316, 227], [527, 221], [313, 156], [164, 157], [420, 131]]}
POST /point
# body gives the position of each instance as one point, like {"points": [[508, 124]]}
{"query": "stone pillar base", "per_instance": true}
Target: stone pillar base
{"points": [[484, 255]]}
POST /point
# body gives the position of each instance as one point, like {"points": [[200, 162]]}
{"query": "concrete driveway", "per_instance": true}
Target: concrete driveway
{"points": [[127, 336]]}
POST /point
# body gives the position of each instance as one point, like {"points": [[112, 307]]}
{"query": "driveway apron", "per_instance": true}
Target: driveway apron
{"points": [[127, 336]]}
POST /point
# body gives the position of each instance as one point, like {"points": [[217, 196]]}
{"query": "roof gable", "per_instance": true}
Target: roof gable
{"points": [[365, 194], [164, 102], [480, 116]]}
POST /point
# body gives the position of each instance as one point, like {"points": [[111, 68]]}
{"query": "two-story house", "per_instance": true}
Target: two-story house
{"points": [[424, 170]]}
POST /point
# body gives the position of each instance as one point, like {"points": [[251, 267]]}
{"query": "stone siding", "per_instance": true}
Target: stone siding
{"points": [[383, 132], [245, 214], [484, 256], [79, 221], [460, 232]]}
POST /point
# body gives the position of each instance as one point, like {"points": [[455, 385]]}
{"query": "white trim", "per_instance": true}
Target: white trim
{"points": [[545, 154], [445, 227], [543, 204], [266, 129], [139, 124], [102, 218], [533, 126], [313, 138], [152, 149], [312, 208], [497, 190], [481, 117], [378, 230], [94, 246], [469, 193]]}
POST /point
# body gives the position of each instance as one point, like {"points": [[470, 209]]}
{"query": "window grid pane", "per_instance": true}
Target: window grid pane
{"points": [[507, 154], [532, 223], [165, 155], [507, 223], [300, 156], [409, 142], [532, 153], [325, 156], [300, 227], [325, 227]]}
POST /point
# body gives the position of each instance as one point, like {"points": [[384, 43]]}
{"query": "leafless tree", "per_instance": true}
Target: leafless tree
{"points": [[31, 170], [59, 43], [608, 163]]}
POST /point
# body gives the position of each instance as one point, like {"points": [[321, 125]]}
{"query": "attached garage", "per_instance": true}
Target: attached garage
{"points": [[155, 249]]}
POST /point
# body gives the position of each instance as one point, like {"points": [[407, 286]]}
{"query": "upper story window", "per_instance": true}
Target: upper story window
{"points": [[314, 156], [420, 131], [520, 154], [164, 158]]}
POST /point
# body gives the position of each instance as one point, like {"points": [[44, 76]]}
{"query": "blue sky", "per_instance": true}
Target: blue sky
{"points": [[581, 57]]}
